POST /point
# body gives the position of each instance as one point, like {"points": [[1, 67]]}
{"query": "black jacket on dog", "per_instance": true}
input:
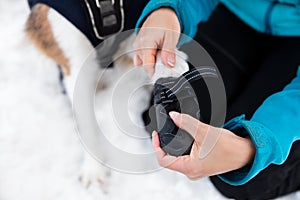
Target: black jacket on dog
{"points": [[97, 19]]}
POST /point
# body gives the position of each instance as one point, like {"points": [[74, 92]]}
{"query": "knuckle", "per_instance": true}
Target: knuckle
{"points": [[169, 47], [167, 51], [145, 40], [135, 44], [193, 178], [197, 144], [195, 172], [164, 165], [161, 163]]}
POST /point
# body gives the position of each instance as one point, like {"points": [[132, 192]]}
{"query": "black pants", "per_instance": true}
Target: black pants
{"points": [[253, 66]]}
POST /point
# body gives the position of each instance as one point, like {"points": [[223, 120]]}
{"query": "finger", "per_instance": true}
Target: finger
{"points": [[137, 60], [163, 158], [168, 58], [188, 123], [168, 49], [149, 59], [155, 140], [146, 49], [179, 164], [160, 154]]}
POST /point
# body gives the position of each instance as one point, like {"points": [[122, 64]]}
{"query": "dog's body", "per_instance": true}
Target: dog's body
{"points": [[60, 40]]}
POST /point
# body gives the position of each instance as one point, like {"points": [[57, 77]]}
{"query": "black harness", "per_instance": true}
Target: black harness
{"points": [[97, 19]]}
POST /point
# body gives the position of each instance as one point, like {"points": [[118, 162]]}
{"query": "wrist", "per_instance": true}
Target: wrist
{"points": [[246, 152], [241, 151]]}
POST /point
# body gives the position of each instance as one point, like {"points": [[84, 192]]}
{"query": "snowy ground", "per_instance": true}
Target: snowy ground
{"points": [[40, 154]]}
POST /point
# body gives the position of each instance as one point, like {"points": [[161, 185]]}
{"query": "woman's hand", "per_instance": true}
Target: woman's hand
{"points": [[215, 150], [161, 30]]}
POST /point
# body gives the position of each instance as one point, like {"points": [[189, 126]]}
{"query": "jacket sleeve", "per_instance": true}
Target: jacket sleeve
{"points": [[190, 12], [273, 129]]}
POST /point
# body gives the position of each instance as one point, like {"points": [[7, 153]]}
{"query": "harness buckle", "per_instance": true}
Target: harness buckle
{"points": [[107, 16]]}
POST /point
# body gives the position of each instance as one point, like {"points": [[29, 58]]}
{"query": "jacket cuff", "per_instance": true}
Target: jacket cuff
{"points": [[264, 143]]}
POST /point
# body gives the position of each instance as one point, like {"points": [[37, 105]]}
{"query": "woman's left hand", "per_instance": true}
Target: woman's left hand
{"points": [[215, 150]]}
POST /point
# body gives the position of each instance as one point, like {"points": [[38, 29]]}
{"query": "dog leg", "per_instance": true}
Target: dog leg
{"points": [[66, 45], [80, 53], [39, 32], [76, 48]]}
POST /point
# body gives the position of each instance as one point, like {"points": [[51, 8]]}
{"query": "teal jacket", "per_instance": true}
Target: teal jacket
{"points": [[276, 17], [276, 124]]}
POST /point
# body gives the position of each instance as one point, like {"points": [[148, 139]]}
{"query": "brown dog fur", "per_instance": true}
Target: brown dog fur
{"points": [[39, 31]]}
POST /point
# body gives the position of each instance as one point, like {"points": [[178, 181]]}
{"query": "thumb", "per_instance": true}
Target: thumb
{"points": [[187, 123], [168, 50]]}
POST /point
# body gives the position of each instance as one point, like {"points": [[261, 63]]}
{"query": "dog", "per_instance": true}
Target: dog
{"points": [[69, 43]]}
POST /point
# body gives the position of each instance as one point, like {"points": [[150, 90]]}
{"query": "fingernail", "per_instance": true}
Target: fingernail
{"points": [[174, 115], [171, 61], [153, 133]]}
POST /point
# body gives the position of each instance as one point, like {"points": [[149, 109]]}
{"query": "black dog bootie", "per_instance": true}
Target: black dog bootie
{"points": [[177, 94]]}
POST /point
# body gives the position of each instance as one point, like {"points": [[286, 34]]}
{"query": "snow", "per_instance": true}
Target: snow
{"points": [[40, 153]]}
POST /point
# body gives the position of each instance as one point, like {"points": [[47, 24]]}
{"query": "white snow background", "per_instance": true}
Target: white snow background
{"points": [[40, 154]]}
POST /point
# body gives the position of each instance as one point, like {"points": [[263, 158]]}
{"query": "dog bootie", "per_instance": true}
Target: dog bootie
{"points": [[176, 94]]}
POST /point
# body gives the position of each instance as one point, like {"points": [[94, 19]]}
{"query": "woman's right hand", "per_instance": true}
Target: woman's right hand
{"points": [[214, 151], [160, 31]]}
